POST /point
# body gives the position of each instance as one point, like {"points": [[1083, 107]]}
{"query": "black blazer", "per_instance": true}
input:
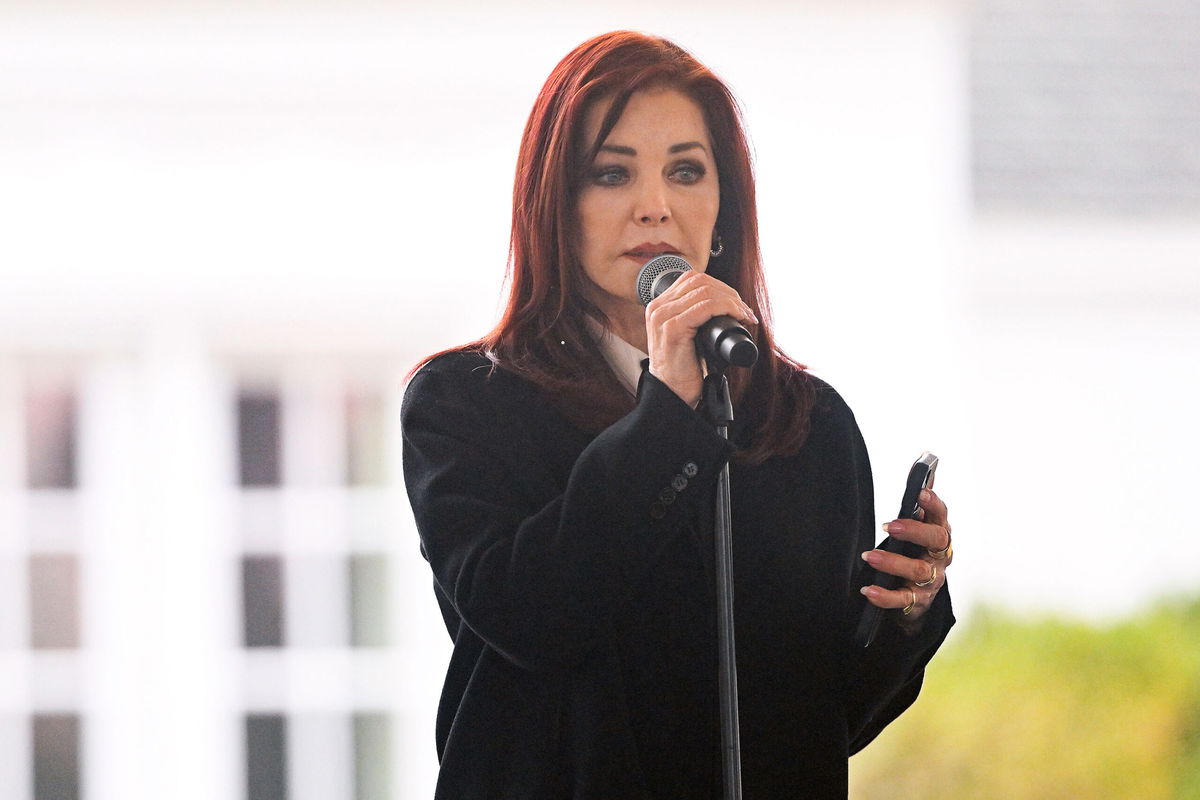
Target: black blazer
{"points": [[574, 574]]}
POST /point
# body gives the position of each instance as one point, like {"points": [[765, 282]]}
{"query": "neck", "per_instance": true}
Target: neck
{"points": [[625, 317], [630, 327]]}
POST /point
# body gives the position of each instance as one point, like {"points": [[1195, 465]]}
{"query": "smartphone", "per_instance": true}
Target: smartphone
{"points": [[919, 477]]}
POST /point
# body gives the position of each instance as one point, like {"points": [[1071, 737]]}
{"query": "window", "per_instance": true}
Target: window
{"points": [[55, 757], [54, 601], [258, 439], [266, 757], [262, 601], [50, 434], [372, 756], [366, 438], [369, 601], [315, 532]]}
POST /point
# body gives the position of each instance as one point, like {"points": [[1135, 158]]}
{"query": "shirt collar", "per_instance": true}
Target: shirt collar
{"points": [[624, 359]]}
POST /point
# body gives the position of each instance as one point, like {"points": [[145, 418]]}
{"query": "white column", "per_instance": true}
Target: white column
{"points": [[320, 756], [14, 591], [15, 773], [159, 589]]}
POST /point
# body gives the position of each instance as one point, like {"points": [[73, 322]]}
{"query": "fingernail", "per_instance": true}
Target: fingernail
{"points": [[926, 496], [887, 527], [871, 557], [869, 591]]}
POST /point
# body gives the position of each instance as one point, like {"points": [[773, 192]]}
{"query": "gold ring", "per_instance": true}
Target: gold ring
{"points": [[911, 604], [945, 552], [932, 577]]}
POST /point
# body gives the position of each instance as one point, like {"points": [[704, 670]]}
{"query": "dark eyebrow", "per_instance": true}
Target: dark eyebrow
{"points": [[622, 150]]}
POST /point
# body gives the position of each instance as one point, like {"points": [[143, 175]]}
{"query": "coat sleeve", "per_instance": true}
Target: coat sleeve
{"points": [[531, 563], [885, 678]]}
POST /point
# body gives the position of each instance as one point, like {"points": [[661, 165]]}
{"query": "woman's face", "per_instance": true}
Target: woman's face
{"points": [[652, 189]]}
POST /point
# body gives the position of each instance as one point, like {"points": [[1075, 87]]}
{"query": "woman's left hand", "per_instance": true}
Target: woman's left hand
{"points": [[924, 576]]}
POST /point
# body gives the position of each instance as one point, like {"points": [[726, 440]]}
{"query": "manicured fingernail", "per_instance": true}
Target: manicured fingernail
{"points": [[869, 591], [871, 557], [887, 527]]}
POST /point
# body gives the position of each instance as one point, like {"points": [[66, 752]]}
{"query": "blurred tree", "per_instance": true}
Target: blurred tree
{"points": [[1048, 708]]}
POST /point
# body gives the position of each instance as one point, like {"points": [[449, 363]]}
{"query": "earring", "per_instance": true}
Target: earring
{"points": [[720, 248]]}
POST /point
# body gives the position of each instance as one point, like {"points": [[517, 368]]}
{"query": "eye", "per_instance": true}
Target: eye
{"points": [[687, 173], [609, 176]]}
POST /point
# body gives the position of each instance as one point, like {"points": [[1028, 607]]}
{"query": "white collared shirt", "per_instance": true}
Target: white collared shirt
{"points": [[624, 359]]}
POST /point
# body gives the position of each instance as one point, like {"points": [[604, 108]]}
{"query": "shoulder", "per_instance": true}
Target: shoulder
{"points": [[828, 400], [464, 363], [465, 389], [831, 422], [822, 403], [462, 373]]}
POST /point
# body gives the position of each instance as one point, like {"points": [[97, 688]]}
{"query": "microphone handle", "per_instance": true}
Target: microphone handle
{"points": [[724, 340]]}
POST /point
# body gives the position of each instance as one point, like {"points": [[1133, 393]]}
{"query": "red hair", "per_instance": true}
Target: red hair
{"points": [[543, 334]]}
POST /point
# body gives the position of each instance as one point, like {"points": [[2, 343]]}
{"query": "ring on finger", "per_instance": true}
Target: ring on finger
{"points": [[942, 554], [932, 577], [911, 603]]}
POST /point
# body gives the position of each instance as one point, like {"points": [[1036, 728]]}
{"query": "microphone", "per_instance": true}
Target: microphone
{"points": [[722, 339]]}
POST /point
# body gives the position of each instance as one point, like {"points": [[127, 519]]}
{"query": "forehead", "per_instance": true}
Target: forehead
{"points": [[655, 118]]}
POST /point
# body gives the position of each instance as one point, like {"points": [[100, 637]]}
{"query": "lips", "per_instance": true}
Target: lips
{"points": [[647, 250]]}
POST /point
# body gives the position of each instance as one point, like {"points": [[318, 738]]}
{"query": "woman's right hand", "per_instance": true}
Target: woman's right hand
{"points": [[672, 321]]}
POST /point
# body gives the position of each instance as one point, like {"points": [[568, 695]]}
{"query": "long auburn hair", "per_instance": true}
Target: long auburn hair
{"points": [[543, 334]]}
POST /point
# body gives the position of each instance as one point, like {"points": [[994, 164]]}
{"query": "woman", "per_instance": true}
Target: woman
{"points": [[563, 492]]}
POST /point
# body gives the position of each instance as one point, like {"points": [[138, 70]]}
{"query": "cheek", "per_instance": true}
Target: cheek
{"points": [[592, 239], [601, 223], [591, 218], [714, 203], [703, 216], [705, 203]]}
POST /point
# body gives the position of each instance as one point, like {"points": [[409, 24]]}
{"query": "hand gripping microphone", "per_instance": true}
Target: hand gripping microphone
{"points": [[722, 339]]}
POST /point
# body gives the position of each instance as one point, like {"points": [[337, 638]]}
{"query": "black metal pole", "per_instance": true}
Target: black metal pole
{"points": [[720, 407]]}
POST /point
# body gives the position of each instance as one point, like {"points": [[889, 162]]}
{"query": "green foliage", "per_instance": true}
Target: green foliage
{"points": [[1046, 708]]}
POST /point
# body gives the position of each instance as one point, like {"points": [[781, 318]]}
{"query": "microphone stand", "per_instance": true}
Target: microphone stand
{"points": [[720, 408]]}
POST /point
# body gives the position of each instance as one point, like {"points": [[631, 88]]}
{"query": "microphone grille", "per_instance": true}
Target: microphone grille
{"points": [[648, 286]]}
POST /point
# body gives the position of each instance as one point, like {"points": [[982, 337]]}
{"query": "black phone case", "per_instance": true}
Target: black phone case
{"points": [[868, 623]]}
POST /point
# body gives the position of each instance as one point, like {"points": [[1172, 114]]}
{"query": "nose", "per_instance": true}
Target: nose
{"points": [[651, 207]]}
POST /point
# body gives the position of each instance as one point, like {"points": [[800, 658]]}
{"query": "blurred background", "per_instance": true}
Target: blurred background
{"points": [[228, 230]]}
